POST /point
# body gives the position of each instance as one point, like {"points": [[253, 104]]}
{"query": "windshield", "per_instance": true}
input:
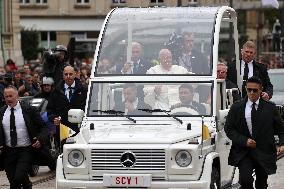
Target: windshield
{"points": [[277, 81], [136, 98], [157, 41]]}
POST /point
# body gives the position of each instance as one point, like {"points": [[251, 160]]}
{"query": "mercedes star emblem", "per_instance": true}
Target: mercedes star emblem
{"points": [[128, 159]]}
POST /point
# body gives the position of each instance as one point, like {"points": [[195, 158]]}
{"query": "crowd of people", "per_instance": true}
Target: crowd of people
{"points": [[22, 130]]}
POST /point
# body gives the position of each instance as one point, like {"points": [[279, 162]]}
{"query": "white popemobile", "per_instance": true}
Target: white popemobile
{"points": [[161, 128]]}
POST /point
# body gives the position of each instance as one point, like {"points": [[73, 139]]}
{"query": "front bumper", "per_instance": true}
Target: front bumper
{"points": [[62, 183]]}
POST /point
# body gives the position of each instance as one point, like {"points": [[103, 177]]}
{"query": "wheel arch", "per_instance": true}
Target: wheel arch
{"points": [[211, 159]]}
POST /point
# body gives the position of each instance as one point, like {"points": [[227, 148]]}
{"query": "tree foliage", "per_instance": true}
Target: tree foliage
{"points": [[30, 44]]}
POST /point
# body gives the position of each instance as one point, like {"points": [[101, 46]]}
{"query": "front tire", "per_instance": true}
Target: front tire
{"points": [[215, 179]]}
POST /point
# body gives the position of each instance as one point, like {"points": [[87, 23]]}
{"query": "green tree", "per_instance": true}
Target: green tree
{"points": [[30, 44]]}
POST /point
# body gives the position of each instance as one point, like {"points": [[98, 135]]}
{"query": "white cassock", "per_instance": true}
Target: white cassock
{"points": [[169, 93]]}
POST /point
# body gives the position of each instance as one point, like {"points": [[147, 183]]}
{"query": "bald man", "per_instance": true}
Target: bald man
{"points": [[68, 94], [21, 132]]}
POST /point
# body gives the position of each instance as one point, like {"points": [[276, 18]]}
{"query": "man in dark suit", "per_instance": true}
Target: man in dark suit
{"points": [[222, 74], [68, 94], [131, 102], [251, 124], [249, 68], [22, 131], [138, 65], [191, 59], [186, 94]]}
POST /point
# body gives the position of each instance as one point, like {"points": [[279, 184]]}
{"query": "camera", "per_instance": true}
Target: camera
{"points": [[52, 57]]}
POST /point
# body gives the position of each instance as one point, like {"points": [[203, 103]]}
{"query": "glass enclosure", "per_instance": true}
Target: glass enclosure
{"points": [[138, 99], [277, 81], [158, 41]]}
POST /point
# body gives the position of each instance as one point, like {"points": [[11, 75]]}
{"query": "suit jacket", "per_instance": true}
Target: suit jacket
{"points": [[144, 65], [199, 63], [59, 105], [268, 124], [35, 125], [259, 70], [231, 85]]}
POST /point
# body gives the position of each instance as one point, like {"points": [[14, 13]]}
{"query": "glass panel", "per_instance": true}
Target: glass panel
{"points": [[277, 81], [182, 99], [135, 39]]}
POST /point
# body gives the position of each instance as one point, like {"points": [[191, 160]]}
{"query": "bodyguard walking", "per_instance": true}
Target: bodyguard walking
{"points": [[249, 68], [21, 132], [68, 94], [251, 125]]}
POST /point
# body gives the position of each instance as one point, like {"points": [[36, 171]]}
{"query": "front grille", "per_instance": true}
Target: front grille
{"points": [[146, 159], [280, 109]]}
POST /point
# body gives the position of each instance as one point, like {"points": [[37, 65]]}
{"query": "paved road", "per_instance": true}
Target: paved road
{"points": [[45, 178], [44, 175]]}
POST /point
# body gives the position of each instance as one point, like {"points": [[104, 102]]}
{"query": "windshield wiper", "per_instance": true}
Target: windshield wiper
{"points": [[164, 111], [116, 113]]}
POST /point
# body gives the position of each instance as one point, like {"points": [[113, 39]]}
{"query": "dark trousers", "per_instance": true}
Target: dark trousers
{"points": [[246, 167], [17, 162]]}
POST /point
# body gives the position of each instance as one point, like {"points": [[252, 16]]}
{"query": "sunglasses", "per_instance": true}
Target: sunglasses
{"points": [[252, 90]]}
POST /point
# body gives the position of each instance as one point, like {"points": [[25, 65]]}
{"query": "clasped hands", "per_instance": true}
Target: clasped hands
{"points": [[36, 143], [252, 144]]}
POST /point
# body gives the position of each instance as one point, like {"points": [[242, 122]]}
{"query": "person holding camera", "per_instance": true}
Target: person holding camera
{"points": [[54, 61]]}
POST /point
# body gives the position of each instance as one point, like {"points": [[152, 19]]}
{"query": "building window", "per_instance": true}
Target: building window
{"points": [[192, 2], [118, 1], [41, 1], [82, 1], [48, 39], [157, 1], [24, 2], [79, 35]]}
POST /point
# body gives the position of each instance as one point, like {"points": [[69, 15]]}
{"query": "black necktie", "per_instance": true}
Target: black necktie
{"points": [[70, 92], [245, 78], [246, 71], [13, 132], [135, 69], [253, 117]]}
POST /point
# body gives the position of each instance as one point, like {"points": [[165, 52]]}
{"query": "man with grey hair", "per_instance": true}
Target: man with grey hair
{"points": [[137, 65], [249, 68], [158, 96]]}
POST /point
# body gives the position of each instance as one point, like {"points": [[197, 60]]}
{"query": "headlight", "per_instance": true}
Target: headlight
{"points": [[75, 158], [183, 158]]}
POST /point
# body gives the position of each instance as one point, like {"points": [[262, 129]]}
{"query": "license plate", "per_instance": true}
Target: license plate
{"points": [[138, 180]]}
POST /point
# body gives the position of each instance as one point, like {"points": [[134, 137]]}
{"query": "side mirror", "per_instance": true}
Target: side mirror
{"points": [[75, 115], [222, 118]]}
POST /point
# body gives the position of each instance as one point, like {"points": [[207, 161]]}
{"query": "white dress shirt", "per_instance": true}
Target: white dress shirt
{"points": [[248, 113], [67, 89], [250, 66], [21, 129]]}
